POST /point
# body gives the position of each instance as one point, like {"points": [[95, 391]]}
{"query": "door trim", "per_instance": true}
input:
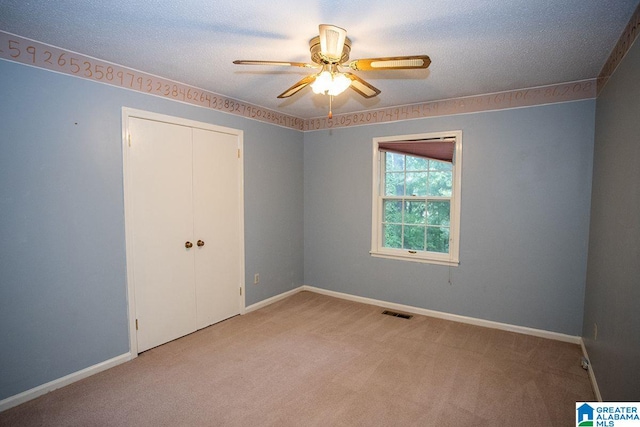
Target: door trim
{"points": [[128, 113]]}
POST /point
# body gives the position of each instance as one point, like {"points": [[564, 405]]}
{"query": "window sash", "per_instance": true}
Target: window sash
{"points": [[404, 223]]}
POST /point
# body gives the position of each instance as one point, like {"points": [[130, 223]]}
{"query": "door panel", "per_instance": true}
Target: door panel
{"points": [[160, 159], [217, 223]]}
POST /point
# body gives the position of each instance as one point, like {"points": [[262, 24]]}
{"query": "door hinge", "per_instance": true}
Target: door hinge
{"points": [[136, 324]]}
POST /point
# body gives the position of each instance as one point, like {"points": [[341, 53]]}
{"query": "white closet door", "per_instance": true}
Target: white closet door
{"points": [[161, 161], [217, 216]]}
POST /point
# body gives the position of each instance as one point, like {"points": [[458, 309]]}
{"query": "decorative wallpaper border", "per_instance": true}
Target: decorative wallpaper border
{"points": [[564, 92], [30, 52], [627, 38], [40, 55]]}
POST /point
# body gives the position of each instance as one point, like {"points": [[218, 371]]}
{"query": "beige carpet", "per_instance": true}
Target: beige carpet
{"points": [[313, 360]]}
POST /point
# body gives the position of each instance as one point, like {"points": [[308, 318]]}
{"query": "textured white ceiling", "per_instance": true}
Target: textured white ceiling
{"points": [[476, 47]]}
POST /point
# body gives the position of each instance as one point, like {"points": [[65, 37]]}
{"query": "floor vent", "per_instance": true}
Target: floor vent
{"points": [[396, 314]]}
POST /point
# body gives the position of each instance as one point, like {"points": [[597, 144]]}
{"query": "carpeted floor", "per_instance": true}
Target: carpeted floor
{"points": [[314, 360]]}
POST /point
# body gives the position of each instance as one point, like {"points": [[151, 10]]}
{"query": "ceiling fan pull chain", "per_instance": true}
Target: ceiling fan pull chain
{"points": [[330, 113]]}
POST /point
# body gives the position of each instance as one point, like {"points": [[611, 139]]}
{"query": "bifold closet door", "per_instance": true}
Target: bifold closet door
{"points": [[216, 225], [161, 165]]}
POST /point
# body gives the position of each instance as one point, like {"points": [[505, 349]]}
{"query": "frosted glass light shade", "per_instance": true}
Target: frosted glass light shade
{"points": [[340, 84], [322, 83]]}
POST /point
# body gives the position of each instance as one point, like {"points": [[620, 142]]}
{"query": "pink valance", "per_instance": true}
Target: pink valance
{"points": [[438, 149]]}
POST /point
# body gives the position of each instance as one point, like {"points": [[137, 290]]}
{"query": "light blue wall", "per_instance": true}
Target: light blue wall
{"points": [[526, 186], [62, 255], [613, 273], [273, 210]]}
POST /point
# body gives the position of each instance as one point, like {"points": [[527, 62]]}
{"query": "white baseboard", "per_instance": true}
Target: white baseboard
{"points": [[269, 301], [25, 396], [447, 316], [592, 375]]}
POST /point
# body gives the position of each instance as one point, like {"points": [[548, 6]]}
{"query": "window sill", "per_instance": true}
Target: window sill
{"points": [[405, 256]]}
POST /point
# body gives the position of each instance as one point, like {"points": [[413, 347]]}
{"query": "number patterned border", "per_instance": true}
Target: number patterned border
{"points": [[575, 91], [627, 38], [30, 52]]}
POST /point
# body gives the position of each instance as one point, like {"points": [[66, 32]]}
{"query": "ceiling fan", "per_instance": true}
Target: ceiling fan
{"points": [[330, 53]]}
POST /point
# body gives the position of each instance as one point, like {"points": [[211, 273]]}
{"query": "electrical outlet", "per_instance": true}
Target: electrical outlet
{"points": [[256, 279], [595, 331]]}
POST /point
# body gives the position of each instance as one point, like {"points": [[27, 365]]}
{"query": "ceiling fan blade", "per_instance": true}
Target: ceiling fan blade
{"points": [[362, 87], [332, 40], [277, 63], [298, 86], [390, 63]]}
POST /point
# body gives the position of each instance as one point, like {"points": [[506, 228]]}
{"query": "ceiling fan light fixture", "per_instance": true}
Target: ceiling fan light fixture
{"points": [[332, 40], [328, 83]]}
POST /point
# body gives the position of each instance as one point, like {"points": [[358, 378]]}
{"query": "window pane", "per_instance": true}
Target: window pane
{"points": [[414, 237], [438, 212], [416, 183], [440, 184], [416, 163], [392, 236], [437, 165], [394, 184], [438, 239], [394, 162], [392, 211], [415, 212]]}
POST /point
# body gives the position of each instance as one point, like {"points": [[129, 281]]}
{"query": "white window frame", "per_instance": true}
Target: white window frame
{"points": [[377, 250]]}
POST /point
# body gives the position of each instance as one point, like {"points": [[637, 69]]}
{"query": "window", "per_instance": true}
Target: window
{"points": [[416, 197]]}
